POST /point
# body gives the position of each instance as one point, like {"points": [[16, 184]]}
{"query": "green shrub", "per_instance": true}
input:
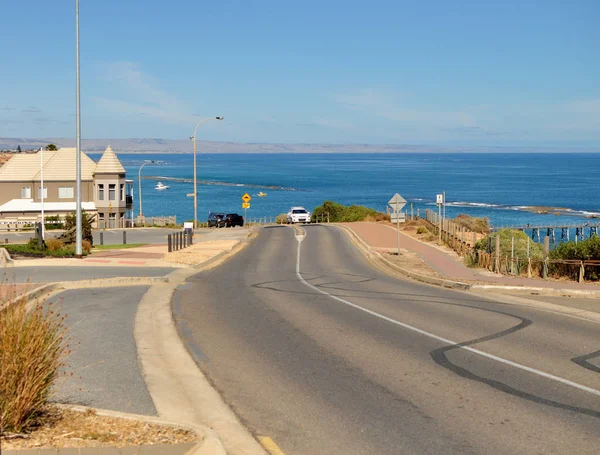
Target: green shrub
{"points": [[586, 250], [422, 230], [339, 213], [536, 250], [281, 218], [33, 349]]}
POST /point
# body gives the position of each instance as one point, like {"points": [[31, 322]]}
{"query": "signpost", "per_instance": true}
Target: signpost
{"points": [[246, 204], [397, 203]]}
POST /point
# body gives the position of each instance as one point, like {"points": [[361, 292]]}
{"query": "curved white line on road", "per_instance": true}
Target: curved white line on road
{"points": [[439, 338]]}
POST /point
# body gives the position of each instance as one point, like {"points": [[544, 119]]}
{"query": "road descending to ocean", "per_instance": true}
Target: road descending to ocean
{"points": [[317, 349]]}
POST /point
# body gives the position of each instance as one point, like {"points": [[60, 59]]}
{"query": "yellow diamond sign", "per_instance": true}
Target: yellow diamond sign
{"points": [[246, 197]]}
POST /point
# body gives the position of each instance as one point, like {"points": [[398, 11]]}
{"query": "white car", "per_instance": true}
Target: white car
{"points": [[298, 215]]}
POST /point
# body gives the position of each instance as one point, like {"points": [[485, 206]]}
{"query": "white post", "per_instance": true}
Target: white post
{"points": [[398, 227], [42, 188]]}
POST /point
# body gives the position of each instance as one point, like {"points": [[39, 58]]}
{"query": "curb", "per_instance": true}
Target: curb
{"points": [[113, 282], [179, 389], [208, 445], [560, 292], [416, 276], [5, 257]]}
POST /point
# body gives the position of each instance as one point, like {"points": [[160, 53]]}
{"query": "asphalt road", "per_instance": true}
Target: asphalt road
{"points": [[104, 363], [47, 274], [385, 366]]}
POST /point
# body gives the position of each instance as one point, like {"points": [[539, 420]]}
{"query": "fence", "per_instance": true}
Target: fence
{"points": [[457, 237], [156, 220], [463, 242]]}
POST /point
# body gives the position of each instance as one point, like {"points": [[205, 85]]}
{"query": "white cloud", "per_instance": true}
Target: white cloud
{"points": [[392, 107], [144, 93]]}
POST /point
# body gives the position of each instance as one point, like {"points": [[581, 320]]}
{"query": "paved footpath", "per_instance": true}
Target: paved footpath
{"points": [[382, 237], [105, 361]]}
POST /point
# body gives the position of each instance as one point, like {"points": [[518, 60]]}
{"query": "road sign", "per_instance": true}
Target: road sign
{"points": [[439, 198], [246, 198], [397, 217], [397, 202], [245, 205]]}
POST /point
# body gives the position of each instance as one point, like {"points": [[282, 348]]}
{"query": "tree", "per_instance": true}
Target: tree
{"points": [[18, 149], [51, 147]]}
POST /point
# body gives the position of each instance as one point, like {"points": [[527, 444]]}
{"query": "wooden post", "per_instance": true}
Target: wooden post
{"points": [[170, 245], [581, 272], [546, 253], [497, 254]]}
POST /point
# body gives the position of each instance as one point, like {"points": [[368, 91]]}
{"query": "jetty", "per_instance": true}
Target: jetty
{"points": [[563, 233]]}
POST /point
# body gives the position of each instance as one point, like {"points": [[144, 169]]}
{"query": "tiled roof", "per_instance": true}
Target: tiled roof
{"points": [[59, 165], [109, 163]]}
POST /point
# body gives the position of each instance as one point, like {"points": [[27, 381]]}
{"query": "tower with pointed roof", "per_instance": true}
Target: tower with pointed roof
{"points": [[110, 195]]}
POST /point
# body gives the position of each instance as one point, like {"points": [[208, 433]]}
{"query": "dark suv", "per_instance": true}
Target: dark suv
{"points": [[216, 220], [233, 219]]}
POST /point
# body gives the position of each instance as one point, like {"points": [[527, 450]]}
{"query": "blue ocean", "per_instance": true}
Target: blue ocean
{"points": [[499, 186]]}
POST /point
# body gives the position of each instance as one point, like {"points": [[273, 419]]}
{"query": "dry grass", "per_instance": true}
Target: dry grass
{"points": [[54, 244], [67, 428], [378, 217], [479, 225], [33, 348], [86, 246]]}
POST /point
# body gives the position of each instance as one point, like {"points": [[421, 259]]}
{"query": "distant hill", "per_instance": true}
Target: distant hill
{"points": [[148, 145]]}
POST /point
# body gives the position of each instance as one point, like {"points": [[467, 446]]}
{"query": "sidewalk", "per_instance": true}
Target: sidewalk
{"points": [[383, 238], [103, 323]]}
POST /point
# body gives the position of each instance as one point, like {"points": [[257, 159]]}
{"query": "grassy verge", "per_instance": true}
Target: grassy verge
{"points": [[120, 246], [29, 251]]}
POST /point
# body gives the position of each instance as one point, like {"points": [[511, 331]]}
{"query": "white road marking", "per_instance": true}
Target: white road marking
{"points": [[439, 338]]}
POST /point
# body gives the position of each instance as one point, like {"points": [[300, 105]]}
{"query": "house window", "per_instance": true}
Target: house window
{"points": [[39, 192], [122, 191], [65, 192], [101, 191], [101, 216], [25, 192], [112, 188]]}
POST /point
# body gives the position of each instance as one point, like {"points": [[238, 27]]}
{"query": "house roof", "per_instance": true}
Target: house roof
{"points": [[28, 205], [109, 163], [58, 165]]}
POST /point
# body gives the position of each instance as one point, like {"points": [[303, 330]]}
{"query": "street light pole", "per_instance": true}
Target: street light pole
{"points": [[140, 187], [78, 230], [195, 184]]}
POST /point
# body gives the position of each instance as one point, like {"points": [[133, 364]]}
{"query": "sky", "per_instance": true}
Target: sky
{"points": [[455, 72]]}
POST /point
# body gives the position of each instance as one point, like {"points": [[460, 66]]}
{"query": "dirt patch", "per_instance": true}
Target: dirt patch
{"points": [[412, 262], [68, 428]]}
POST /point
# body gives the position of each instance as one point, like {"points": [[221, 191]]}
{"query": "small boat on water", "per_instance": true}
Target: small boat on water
{"points": [[160, 186], [261, 194]]}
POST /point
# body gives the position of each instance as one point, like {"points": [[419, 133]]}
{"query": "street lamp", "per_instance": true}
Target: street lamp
{"points": [[78, 214], [195, 191], [140, 185]]}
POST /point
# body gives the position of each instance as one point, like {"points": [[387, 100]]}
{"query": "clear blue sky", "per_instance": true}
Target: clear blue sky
{"points": [[403, 72]]}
